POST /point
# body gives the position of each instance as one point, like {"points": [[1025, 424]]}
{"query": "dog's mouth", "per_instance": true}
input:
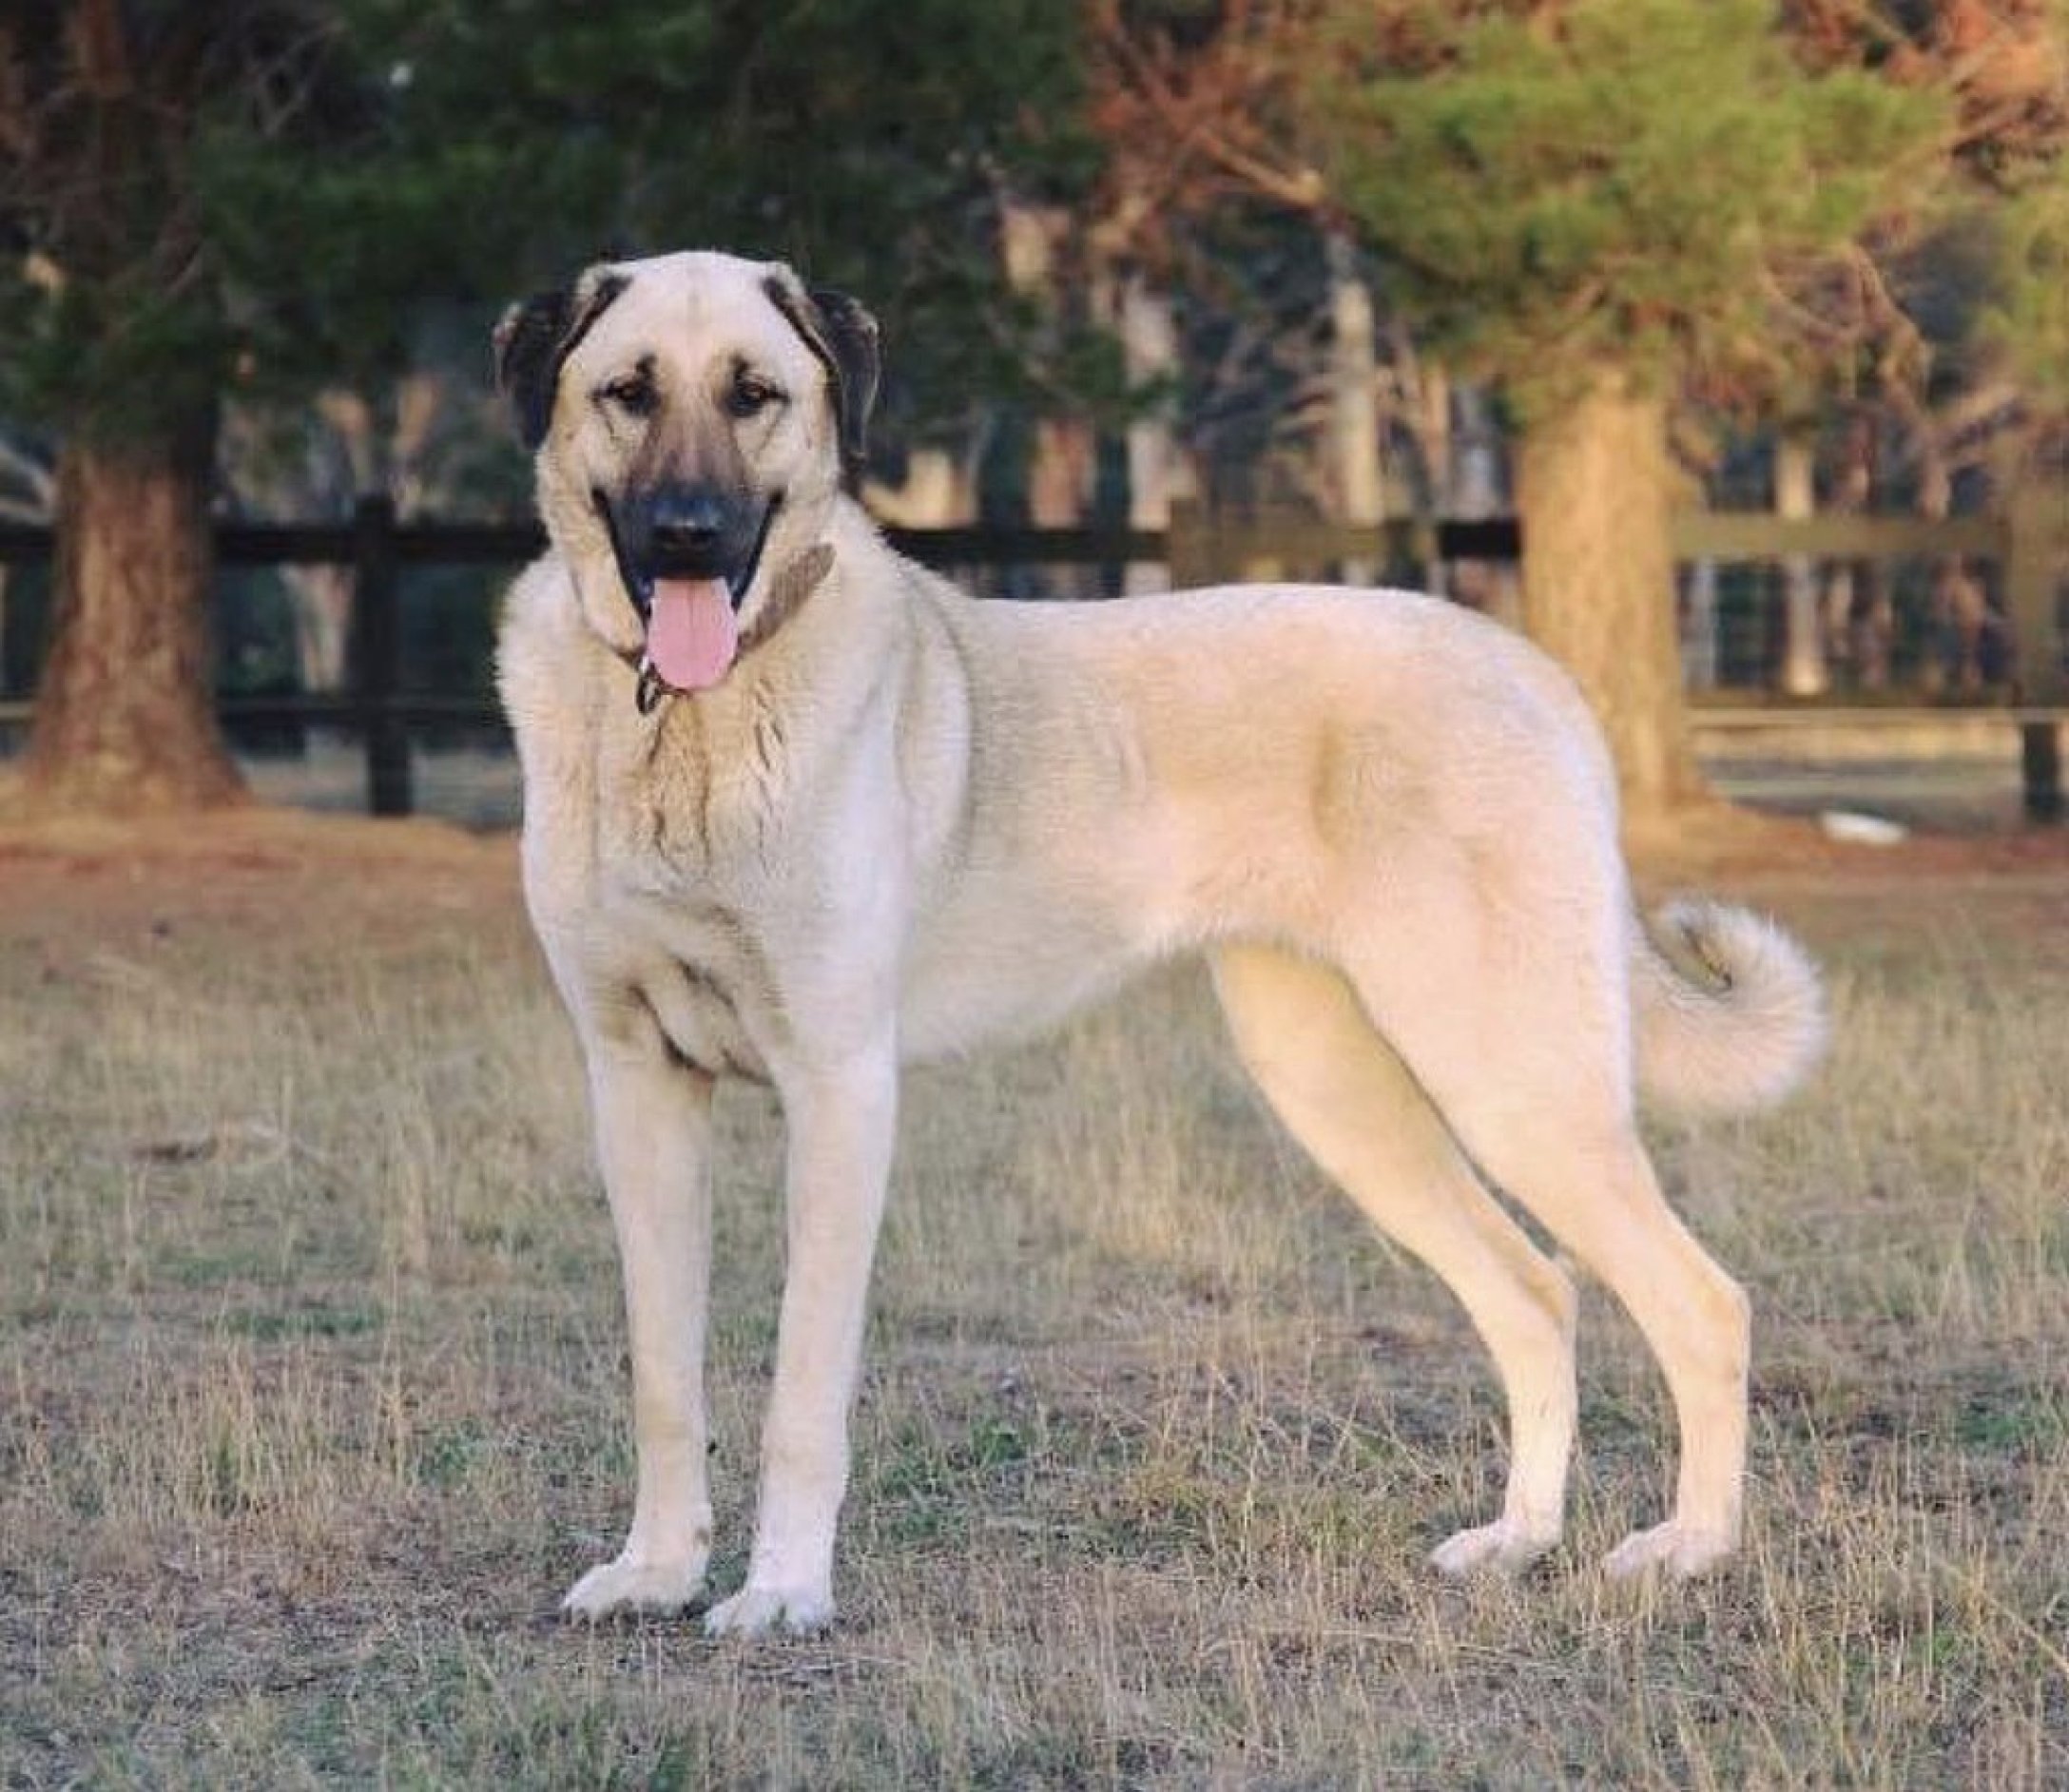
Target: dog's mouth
{"points": [[686, 580]]}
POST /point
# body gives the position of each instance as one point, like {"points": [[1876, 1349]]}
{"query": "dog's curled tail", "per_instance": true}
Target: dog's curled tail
{"points": [[1730, 1008]]}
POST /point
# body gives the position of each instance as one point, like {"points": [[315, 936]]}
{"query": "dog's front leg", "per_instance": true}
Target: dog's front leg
{"points": [[653, 1139], [841, 1123]]}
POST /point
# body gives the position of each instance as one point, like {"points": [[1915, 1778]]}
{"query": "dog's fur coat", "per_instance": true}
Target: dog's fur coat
{"points": [[892, 822]]}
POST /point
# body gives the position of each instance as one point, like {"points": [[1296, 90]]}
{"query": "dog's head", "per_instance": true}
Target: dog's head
{"points": [[694, 417]]}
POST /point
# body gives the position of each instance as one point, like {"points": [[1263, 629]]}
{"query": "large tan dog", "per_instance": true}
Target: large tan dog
{"points": [[797, 810]]}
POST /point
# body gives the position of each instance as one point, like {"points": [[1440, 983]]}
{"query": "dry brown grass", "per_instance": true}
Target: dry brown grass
{"points": [[312, 1391]]}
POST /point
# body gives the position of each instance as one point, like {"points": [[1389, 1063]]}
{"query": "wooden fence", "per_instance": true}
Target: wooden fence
{"points": [[2026, 545]]}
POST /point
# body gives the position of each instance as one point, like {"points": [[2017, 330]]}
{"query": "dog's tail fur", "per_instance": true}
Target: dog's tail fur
{"points": [[1730, 1008]]}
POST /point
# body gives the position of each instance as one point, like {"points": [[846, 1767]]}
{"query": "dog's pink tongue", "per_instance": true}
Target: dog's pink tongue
{"points": [[691, 632]]}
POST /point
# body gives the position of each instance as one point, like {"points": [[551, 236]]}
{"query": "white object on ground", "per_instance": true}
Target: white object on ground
{"points": [[1862, 830]]}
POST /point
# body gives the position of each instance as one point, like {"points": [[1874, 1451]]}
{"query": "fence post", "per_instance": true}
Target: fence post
{"points": [[2030, 600], [376, 624]]}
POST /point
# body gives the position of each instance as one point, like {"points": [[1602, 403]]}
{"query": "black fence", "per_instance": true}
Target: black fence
{"points": [[385, 708]]}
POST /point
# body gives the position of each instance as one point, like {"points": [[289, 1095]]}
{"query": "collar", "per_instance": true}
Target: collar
{"points": [[789, 586]]}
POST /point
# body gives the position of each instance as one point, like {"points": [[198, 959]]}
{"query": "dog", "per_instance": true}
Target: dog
{"points": [[800, 811]]}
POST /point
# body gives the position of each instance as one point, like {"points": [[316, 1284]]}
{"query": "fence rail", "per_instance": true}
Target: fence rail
{"points": [[2026, 544]]}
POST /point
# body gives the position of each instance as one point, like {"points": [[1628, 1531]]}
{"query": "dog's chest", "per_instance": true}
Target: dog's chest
{"points": [[714, 1014], [697, 965], [648, 897]]}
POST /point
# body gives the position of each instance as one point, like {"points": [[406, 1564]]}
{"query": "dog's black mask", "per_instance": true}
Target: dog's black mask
{"points": [[687, 530]]}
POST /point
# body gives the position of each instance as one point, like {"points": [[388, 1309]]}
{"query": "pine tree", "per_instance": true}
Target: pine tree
{"points": [[1591, 200], [114, 344], [202, 198]]}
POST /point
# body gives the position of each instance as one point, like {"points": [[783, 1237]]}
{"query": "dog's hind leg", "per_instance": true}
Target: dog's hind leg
{"points": [[1347, 1097], [1593, 1187], [1528, 1062]]}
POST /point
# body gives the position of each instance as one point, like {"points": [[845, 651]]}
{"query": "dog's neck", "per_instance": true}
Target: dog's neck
{"points": [[788, 587]]}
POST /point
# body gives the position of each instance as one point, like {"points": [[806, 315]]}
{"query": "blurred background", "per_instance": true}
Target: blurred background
{"points": [[1723, 348]]}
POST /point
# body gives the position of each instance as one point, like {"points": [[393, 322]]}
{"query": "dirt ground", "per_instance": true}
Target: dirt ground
{"points": [[276, 874], [292, 873]]}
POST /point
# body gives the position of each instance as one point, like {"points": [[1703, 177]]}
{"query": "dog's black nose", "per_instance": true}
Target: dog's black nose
{"points": [[687, 527]]}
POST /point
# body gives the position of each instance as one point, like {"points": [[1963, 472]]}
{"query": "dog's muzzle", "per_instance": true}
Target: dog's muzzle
{"points": [[687, 555]]}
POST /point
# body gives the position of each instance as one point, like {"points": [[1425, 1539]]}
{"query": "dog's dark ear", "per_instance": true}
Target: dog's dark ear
{"points": [[537, 335], [842, 334]]}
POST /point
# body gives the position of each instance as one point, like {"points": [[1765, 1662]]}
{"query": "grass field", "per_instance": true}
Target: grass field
{"points": [[312, 1388]]}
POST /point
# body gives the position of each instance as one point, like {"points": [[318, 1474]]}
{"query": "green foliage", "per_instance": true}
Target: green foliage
{"points": [[103, 300], [315, 172], [516, 140], [134, 311], [110, 358], [1619, 181], [2028, 319]]}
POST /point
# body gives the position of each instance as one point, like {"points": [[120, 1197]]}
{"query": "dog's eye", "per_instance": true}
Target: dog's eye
{"points": [[634, 393], [750, 395]]}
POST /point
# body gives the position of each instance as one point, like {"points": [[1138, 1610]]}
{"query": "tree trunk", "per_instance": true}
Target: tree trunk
{"points": [[1432, 415], [1060, 472], [1699, 627], [1157, 474], [1803, 670], [1857, 612], [321, 598], [124, 722], [1472, 490], [1354, 402], [1593, 490], [1064, 451]]}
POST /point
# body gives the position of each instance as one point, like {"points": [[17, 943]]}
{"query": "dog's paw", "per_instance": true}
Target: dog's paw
{"points": [[1672, 1548], [630, 1586], [757, 1611], [1502, 1548]]}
